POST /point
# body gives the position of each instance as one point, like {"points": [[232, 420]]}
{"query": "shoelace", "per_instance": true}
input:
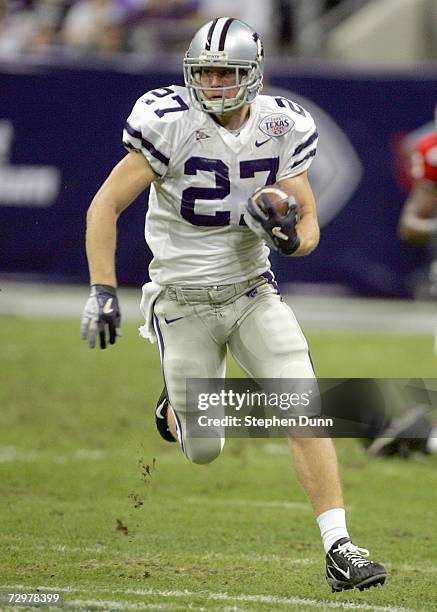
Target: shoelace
{"points": [[353, 553]]}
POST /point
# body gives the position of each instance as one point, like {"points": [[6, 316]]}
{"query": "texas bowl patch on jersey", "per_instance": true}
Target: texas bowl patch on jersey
{"points": [[276, 124]]}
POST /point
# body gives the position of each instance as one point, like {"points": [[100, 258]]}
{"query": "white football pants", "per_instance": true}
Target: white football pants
{"points": [[194, 326]]}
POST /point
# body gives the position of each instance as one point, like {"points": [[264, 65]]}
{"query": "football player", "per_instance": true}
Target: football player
{"points": [[418, 220], [204, 149], [412, 431]]}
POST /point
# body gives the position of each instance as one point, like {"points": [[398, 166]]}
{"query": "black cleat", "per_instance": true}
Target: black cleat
{"points": [[161, 417], [403, 435], [347, 567]]}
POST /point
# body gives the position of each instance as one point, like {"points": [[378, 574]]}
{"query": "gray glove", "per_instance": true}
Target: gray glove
{"points": [[101, 315]]}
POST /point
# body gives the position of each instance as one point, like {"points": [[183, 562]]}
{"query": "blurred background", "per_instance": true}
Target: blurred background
{"points": [[71, 70]]}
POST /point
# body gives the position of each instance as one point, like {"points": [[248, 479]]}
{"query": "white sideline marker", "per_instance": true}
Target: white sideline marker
{"points": [[267, 599]]}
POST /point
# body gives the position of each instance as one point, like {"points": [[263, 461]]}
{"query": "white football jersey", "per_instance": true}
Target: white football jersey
{"points": [[194, 224]]}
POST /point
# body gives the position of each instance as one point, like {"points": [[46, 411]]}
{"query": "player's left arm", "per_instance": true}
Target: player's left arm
{"points": [[307, 226]]}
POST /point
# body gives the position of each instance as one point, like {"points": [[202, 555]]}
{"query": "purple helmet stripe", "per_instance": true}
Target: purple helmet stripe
{"points": [[223, 34], [210, 33]]}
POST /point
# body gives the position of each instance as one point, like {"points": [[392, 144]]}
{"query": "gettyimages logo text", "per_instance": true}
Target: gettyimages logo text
{"points": [[228, 398]]}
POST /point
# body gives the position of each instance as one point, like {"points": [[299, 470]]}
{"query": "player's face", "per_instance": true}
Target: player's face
{"points": [[216, 78]]}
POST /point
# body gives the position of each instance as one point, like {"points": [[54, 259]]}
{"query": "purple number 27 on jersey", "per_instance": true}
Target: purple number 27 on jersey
{"points": [[222, 188]]}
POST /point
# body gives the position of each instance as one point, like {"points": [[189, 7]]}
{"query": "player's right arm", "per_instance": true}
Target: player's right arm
{"points": [[101, 316], [149, 136], [130, 177]]}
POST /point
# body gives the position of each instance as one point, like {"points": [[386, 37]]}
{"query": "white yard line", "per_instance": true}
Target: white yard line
{"points": [[103, 604], [58, 548], [13, 454], [209, 596], [287, 505], [300, 602]]}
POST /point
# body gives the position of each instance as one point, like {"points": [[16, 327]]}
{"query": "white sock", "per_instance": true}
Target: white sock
{"points": [[332, 525], [431, 443]]}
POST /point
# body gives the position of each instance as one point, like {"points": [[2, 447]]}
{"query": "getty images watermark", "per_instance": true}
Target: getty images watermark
{"points": [[245, 408], [231, 400], [340, 408]]}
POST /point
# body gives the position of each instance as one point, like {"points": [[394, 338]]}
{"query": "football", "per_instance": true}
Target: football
{"points": [[278, 197]]}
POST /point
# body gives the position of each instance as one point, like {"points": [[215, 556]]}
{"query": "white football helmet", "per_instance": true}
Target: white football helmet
{"points": [[225, 43]]}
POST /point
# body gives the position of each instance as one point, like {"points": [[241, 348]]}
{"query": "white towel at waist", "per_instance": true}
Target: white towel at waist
{"points": [[151, 291]]}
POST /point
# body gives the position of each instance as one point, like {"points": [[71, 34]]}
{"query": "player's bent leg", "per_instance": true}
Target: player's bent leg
{"points": [[204, 450], [167, 425], [188, 351]]}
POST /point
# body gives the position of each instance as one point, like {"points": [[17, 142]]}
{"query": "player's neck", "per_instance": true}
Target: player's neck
{"points": [[233, 120]]}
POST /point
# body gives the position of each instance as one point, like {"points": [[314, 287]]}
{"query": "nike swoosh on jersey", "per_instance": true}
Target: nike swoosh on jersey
{"points": [[107, 308], [259, 144], [168, 321]]}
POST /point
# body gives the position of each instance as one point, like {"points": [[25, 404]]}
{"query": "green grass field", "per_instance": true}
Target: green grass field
{"points": [[93, 502]]}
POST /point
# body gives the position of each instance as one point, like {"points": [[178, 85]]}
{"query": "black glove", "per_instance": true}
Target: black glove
{"points": [[278, 230], [102, 315]]}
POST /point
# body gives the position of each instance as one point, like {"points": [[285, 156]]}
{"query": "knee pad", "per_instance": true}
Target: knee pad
{"points": [[203, 450]]}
